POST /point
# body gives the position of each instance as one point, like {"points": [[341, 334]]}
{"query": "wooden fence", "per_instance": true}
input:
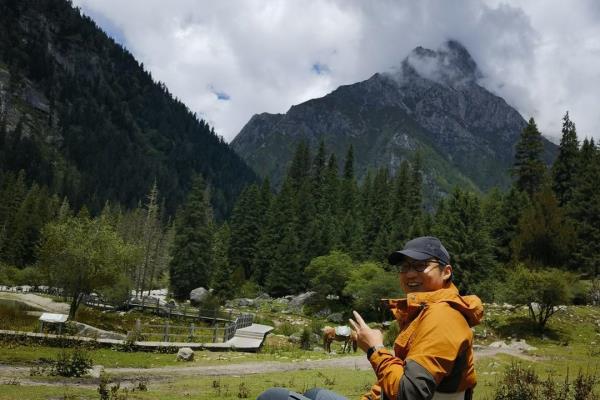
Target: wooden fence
{"points": [[191, 333]]}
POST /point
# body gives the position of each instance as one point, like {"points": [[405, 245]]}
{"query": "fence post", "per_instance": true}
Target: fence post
{"points": [[192, 332], [166, 331], [214, 339], [138, 327]]}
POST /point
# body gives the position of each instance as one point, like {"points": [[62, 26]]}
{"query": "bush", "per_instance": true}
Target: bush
{"points": [[286, 328], [305, 338], [519, 383], [74, 363], [540, 290], [249, 289]]}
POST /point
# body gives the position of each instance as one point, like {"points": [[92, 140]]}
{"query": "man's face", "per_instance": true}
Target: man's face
{"points": [[423, 276]]}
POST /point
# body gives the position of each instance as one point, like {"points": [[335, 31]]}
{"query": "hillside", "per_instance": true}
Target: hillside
{"points": [[431, 103], [79, 114]]}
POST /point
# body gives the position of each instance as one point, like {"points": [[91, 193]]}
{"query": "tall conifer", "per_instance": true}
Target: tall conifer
{"points": [[566, 164], [190, 266], [529, 168]]}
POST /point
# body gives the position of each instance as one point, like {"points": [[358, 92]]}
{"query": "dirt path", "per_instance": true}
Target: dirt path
{"points": [[36, 301], [130, 375]]}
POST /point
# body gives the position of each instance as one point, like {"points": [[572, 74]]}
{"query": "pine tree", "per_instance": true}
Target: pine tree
{"points": [[245, 230], [585, 209], [284, 274], [378, 222], [190, 266], [401, 218], [545, 237], [529, 168], [460, 225], [502, 212], [299, 169], [222, 283], [566, 164], [351, 226]]}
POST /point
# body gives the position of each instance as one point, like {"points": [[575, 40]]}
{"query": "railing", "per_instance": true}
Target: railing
{"points": [[231, 321], [189, 333]]}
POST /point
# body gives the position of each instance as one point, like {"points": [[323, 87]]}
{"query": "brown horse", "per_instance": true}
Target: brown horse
{"points": [[329, 335]]}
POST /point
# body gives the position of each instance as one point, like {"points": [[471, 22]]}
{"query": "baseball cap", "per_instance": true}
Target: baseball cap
{"points": [[421, 248]]}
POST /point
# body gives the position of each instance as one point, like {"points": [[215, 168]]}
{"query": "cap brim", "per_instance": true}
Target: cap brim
{"points": [[397, 256]]}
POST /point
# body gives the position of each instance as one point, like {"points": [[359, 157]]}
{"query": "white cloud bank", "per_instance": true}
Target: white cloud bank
{"points": [[228, 60]]}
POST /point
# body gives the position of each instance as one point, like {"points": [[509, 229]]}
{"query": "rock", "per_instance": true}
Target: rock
{"points": [[263, 296], [185, 354], [323, 313], [335, 317], [300, 300], [198, 295], [318, 349], [521, 345], [498, 345], [245, 302], [294, 337]]}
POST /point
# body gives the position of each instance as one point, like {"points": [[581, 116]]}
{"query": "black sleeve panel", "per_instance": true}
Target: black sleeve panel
{"points": [[416, 383]]}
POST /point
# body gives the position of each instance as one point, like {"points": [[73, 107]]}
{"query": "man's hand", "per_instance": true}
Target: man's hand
{"points": [[366, 337]]}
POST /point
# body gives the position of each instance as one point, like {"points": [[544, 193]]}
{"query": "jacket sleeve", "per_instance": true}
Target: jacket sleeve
{"points": [[440, 336]]}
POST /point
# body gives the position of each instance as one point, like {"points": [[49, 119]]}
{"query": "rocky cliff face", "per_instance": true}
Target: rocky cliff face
{"points": [[431, 103]]}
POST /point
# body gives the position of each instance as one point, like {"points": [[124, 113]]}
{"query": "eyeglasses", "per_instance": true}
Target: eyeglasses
{"points": [[419, 266]]}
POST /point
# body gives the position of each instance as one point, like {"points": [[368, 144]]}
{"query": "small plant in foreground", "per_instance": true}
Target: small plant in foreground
{"points": [[520, 383], [74, 363], [243, 391]]}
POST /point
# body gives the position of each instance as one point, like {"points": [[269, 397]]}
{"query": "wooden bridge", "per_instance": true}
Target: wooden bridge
{"points": [[249, 339]]}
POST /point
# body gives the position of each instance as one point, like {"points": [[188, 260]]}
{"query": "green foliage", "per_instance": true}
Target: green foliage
{"points": [[390, 335], [542, 291], [369, 283], [73, 363], [119, 129], [461, 226], [245, 232], [222, 280], [585, 209], [305, 338], [523, 383], [529, 169], [81, 255], [545, 236], [329, 274], [191, 262], [564, 169]]}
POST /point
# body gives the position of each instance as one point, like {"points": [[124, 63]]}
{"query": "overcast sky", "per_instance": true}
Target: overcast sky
{"points": [[228, 60]]}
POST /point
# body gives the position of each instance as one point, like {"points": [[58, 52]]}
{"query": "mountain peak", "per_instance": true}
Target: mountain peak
{"points": [[451, 64]]}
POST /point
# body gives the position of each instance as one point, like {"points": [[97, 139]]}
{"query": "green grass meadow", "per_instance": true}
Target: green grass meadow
{"points": [[568, 345]]}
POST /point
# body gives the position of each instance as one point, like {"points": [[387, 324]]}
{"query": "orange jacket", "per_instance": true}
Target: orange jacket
{"points": [[434, 350]]}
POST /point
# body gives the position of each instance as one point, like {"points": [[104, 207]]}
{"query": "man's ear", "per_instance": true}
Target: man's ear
{"points": [[447, 273]]}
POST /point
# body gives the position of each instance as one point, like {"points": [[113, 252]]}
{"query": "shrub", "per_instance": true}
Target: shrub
{"points": [[540, 290], [286, 329], [520, 383], [305, 338], [74, 363]]}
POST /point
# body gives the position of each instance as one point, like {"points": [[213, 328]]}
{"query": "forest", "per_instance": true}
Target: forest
{"points": [[321, 231]]}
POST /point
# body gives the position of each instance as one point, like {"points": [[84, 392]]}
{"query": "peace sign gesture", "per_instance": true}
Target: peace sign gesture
{"points": [[366, 337]]}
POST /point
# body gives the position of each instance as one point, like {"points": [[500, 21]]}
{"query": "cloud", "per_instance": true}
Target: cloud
{"points": [[229, 60]]}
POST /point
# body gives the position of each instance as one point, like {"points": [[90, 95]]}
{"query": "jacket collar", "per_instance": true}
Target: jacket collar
{"points": [[405, 310]]}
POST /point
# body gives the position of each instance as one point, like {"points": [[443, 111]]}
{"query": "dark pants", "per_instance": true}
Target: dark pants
{"points": [[286, 394]]}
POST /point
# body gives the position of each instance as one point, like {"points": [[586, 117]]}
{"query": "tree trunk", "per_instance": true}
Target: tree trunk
{"points": [[74, 305]]}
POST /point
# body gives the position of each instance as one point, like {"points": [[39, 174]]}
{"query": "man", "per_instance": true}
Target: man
{"points": [[432, 356]]}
